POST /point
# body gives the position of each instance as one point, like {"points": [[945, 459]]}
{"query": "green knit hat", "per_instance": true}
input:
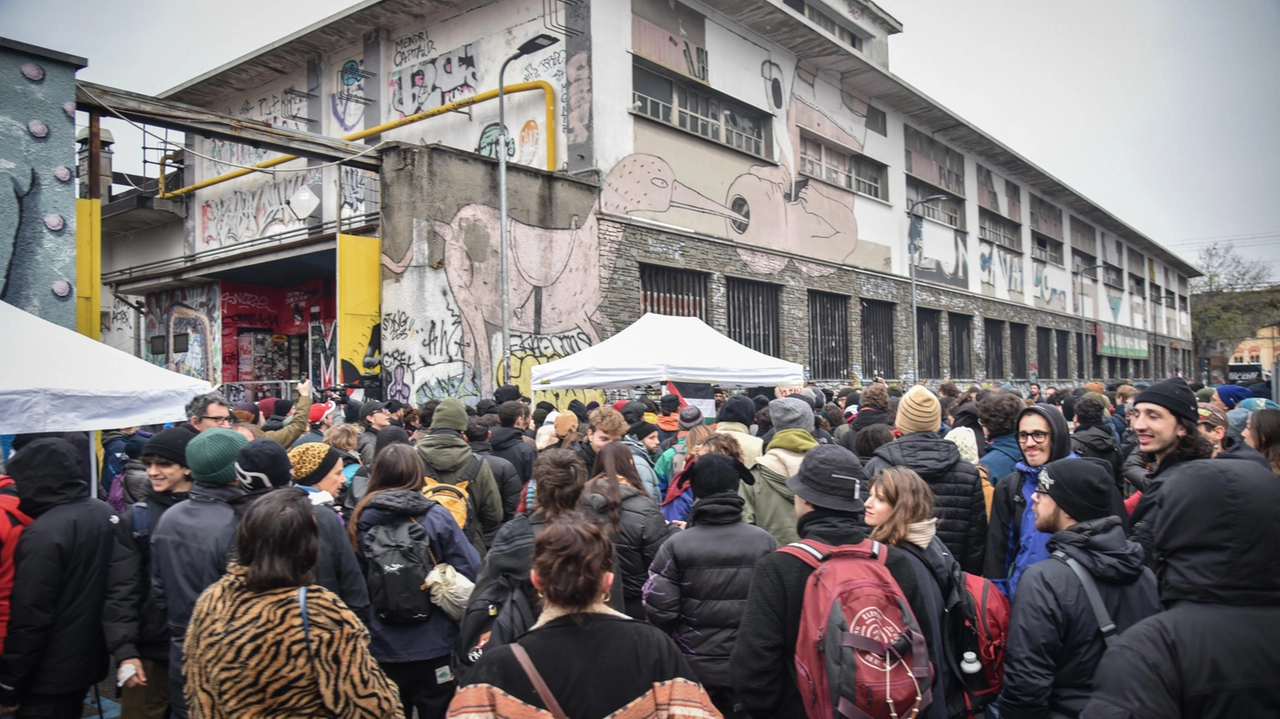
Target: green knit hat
{"points": [[451, 414], [211, 456]]}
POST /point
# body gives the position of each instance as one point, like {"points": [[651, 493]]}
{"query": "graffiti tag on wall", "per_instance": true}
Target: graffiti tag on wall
{"points": [[435, 82], [192, 311], [245, 214]]}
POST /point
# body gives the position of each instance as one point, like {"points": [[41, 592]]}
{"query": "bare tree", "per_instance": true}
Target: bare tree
{"points": [[1231, 302]]}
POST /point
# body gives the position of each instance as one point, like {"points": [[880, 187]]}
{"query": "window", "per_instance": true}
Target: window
{"points": [[1045, 218], [826, 22], [1137, 285], [828, 335], [1083, 236], [994, 345], [1157, 295], [933, 162], [752, 310], [876, 121], [1182, 303], [1085, 264], [1254, 357], [181, 342], [1047, 250], [1063, 340], [949, 211], [961, 345], [1170, 299], [1018, 350], [667, 291], [870, 178], [1044, 351], [929, 343], [1013, 196], [695, 110], [851, 172], [997, 230], [877, 339], [1112, 276]]}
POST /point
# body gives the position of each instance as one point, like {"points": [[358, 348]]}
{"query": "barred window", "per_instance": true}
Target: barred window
{"points": [[667, 291], [1018, 350], [752, 311], [1044, 351], [929, 343], [993, 342], [961, 345], [877, 339], [828, 335]]}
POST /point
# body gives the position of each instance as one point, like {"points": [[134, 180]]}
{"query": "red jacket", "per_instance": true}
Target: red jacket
{"points": [[12, 522]]}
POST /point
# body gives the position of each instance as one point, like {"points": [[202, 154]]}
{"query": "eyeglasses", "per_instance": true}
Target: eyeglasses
{"points": [[1036, 437], [222, 419]]}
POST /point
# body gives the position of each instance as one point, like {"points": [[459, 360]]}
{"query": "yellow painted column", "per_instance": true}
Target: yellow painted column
{"points": [[89, 268], [359, 300]]}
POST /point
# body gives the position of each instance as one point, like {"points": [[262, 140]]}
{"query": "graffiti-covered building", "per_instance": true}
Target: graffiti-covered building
{"points": [[750, 162]]}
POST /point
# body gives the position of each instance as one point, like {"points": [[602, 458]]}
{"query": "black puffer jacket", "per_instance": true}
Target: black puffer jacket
{"points": [[1215, 651], [868, 416], [75, 582], [1143, 522], [509, 443], [153, 626], [698, 583], [640, 532], [958, 501], [1097, 440], [508, 479], [1055, 643]]}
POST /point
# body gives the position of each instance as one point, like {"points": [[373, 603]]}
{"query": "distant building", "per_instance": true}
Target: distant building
{"points": [[746, 161]]}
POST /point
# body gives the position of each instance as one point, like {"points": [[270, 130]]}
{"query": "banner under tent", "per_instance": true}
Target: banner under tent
{"points": [[57, 380], [657, 349]]}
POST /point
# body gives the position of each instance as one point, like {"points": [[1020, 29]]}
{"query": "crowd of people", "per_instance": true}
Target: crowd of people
{"points": [[873, 551]]}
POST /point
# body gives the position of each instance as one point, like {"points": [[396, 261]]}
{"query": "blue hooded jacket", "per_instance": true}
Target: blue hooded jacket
{"points": [[1002, 454]]}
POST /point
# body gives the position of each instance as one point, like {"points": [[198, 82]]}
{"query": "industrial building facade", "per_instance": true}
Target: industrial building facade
{"points": [[750, 162]]}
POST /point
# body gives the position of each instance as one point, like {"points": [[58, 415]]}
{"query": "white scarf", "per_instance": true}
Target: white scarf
{"points": [[551, 612], [922, 533]]}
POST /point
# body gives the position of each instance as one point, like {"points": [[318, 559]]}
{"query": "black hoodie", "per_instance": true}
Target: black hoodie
{"points": [[1054, 641], [508, 443], [1097, 440], [1215, 651], [76, 584]]}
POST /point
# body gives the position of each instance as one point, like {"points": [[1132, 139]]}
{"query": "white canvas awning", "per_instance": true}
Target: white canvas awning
{"points": [[55, 380], [659, 348]]}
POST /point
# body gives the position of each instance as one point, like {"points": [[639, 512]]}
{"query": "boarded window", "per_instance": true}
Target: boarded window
{"points": [[933, 162], [1063, 342], [1044, 351], [1046, 218], [752, 309], [961, 327], [993, 343], [1018, 350], [877, 339], [876, 121], [667, 291], [828, 336], [1083, 236], [929, 343]]}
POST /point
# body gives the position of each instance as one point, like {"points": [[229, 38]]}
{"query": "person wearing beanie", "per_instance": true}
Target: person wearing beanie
{"points": [[184, 559], [642, 439], [1165, 421], [1228, 396], [700, 578], [577, 407], [770, 503], [1054, 643], [317, 470], [449, 460], [668, 417], [281, 411], [541, 411], [1204, 394], [735, 418], [959, 502], [71, 586], [506, 393], [827, 511]]}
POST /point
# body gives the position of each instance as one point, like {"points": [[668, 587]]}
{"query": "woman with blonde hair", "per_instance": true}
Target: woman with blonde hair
{"points": [[678, 497]]}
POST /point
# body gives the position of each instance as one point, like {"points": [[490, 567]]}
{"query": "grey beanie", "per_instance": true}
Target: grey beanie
{"points": [[791, 413]]}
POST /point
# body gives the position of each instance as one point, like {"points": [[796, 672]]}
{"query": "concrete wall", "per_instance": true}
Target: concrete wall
{"points": [[38, 185], [442, 312]]}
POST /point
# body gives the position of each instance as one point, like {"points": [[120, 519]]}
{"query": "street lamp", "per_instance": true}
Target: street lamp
{"points": [[533, 45], [913, 246], [1080, 298]]}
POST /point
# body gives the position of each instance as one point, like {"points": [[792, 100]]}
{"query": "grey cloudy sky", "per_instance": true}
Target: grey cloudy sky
{"points": [[1162, 111]]}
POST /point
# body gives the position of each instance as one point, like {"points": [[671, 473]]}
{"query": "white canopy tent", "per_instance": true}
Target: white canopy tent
{"points": [[659, 348], [55, 380]]}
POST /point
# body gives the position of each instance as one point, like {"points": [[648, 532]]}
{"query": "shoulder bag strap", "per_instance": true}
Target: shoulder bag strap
{"points": [[540, 686], [1107, 626], [306, 621]]}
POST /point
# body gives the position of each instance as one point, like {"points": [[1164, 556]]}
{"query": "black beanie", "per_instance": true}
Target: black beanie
{"points": [[760, 402], [388, 436], [283, 407], [642, 429], [263, 464], [739, 408], [170, 444], [670, 403], [714, 473], [633, 411], [1174, 395], [506, 393], [1081, 487]]}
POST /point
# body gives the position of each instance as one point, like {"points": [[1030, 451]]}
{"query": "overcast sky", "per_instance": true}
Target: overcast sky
{"points": [[1162, 111]]}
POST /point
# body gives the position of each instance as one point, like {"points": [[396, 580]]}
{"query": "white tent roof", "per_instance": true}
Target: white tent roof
{"points": [[660, 348], [55, 380]]}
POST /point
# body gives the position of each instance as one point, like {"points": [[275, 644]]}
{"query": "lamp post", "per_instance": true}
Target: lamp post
{"points": [[530, 46], [1080, 299], [913, 247]]}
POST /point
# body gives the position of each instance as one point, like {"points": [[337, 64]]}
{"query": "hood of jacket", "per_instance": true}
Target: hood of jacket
{"points": [[638, 450], [47, 473], [1100, 545], [445, 451], [868, 416], [931, 456], [781, 462], [395, 503], [1006, 444], [596, 502], [1057, 423], [1216, 533], [1244, 452], [112, 435], [722, 508], [505, 437], [1097, 437]]}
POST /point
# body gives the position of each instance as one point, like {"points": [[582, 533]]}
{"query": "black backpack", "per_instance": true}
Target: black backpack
{"points": [[498, 612], [398, 558]]}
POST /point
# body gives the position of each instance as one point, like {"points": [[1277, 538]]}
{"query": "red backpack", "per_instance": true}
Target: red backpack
{"points": [[859, 652], [980, 626]]}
